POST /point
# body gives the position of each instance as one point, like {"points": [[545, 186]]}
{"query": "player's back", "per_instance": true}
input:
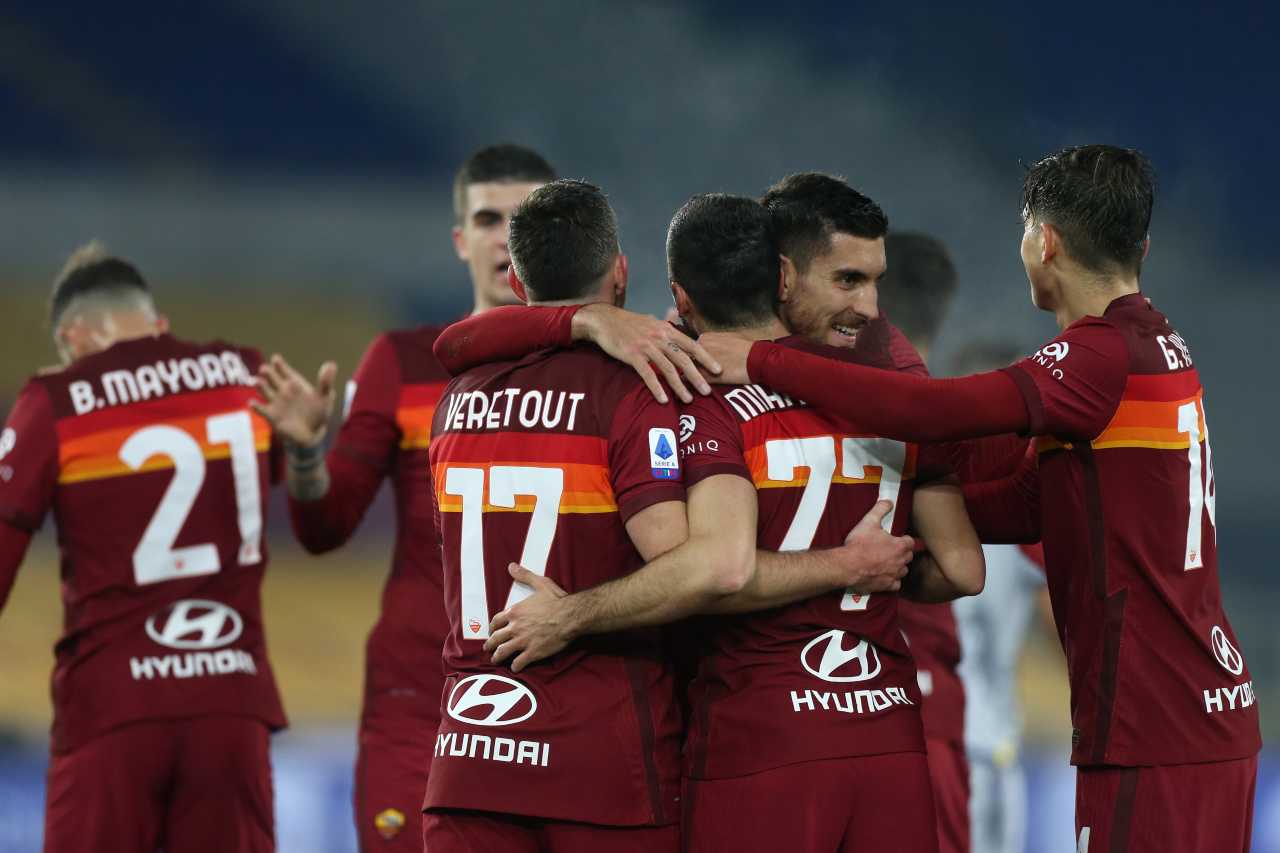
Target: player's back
{"points": [[830, 676], [157, 473], [1128, 523], [541, 462]]}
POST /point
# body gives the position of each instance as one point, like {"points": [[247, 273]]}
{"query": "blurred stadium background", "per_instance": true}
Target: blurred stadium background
{"points": [[280, 170]]}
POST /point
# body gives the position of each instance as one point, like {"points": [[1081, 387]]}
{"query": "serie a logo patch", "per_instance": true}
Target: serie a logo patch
{"points": [[663, 460]]}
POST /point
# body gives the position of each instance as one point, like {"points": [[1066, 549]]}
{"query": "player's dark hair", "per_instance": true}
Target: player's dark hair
{"points": [[918, 285], [90, 269], [1100, 198], [809, 207], [564, 237], [723, 251], [499, 164]]}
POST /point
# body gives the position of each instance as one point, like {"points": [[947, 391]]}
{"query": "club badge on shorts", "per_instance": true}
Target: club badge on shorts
{"points": [[389, 822], [663, 461]]}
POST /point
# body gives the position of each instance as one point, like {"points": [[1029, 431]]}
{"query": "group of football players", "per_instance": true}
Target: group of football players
{"points": [[622, 621]]}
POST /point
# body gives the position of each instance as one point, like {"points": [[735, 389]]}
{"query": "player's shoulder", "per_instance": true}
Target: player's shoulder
{"points": [[410, 350]]}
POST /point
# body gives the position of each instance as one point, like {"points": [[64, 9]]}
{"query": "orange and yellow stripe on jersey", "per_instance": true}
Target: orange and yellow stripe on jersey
{"points": [[89, 446], [1149, 415], [414, 411], [583, 459]]}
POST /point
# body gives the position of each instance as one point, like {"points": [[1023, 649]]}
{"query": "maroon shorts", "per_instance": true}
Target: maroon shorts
{"points": [[1171, 809], [873, 802], [484, 832], [949, 774], [194, 785], [394, 757]]}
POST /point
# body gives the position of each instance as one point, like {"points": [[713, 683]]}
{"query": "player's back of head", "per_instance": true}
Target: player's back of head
{"points": [[1099, 197], [92, 278], [809, 207], [918, 285], [505, 163], [722, 250], [564, 239]]}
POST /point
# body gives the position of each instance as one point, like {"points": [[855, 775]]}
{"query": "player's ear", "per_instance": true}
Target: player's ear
{"points": [[460, 245], [684, 305], [787, 277], [162, 324], [1050, 242], [516, 285], [621, 275]]}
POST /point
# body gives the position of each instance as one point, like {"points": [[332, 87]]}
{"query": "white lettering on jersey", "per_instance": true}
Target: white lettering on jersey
{"points": [[8, 439], [170, 376], [751, 401], [475, 410]]}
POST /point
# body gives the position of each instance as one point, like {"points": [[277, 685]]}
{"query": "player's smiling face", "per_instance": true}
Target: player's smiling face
{"points": [[837, 295], [481, 239]]}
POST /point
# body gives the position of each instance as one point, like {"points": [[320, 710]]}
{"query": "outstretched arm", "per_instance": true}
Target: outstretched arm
{"points": [[651, 346], [1069, 388]]}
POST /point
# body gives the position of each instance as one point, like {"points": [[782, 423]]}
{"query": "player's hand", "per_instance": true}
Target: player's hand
{"points": [[296, 409], [533, 629], [873, 560], [730, 352], [646, 343]]}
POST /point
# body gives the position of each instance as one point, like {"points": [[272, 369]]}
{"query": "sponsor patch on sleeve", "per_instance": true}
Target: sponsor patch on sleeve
{"points": [[664, 462]]}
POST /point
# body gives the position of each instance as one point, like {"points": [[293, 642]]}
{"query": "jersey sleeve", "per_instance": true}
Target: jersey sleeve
{"points": [[28, 459], [711, 441], [1007, 510], [1072, 386], [893, 404], [361, 455], [504, 334], [644, 453], [369, 433]]}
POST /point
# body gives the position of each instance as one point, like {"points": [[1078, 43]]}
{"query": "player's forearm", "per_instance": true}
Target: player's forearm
{"points": [[306, 474], [502, 334], [927, 583], [330, 501], [781, 578], [687, 580], [893, 404], [13, 547]]}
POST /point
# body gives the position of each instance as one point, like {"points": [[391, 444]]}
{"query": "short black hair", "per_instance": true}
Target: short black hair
{"points": [[918, 285], [90, 269], [502, 164], [564, 237], [723, 251], [809, 207], [1100, 198]]}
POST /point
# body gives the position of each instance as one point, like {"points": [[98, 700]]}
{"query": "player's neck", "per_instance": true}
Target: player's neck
{"points": [[1090, 298], [768, 331]]}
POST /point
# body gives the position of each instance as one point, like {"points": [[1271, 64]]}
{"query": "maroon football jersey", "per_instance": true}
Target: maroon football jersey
{"points": [[542, 462], [157, 473], [1127, 496], [828, 677], [386, 430]]}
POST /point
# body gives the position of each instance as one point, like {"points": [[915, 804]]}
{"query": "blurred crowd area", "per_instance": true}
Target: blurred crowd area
{"points": [[281, 173]]}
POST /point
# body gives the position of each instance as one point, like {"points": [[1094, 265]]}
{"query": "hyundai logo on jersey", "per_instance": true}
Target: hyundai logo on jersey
{"points": [[663, 461]]}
